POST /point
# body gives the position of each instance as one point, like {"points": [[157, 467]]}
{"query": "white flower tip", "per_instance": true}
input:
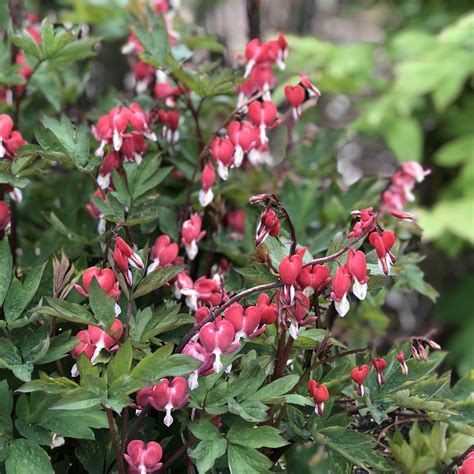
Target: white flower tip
{"points": [[342, 307], [206, 197]]}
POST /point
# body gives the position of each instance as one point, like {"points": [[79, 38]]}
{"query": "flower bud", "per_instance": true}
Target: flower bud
{"points": [[379, 365], [403, 364], [320, 394]]}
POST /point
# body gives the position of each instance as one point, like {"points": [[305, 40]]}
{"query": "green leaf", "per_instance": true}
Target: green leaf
{"points": [[156, 279], [161, 364], [257, 273], [405, 138], [207, 452], [81, 398], [147, 176], [6, 406], [35, 343], [26, 457], [456, 152], [243, 460], [204, 429], [250, 410], [59, 347], [74, 424], [167, 319], [74, 141], [358, 448], [121, 362], [275, 389], [5, 268], [69, 311], [256, 437], [155, 41], [26, 42], [48, 384], [102, 305], [19, 295], [47, 37], [10, 358]]}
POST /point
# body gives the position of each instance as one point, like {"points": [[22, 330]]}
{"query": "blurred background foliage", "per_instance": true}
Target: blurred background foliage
{"points": [[397, 84]]}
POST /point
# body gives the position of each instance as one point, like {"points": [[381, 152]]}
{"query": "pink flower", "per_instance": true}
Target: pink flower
{"points": [[320, 394], [222, 151], [111, 162], [209, 291], [383, 242], [170, 396], [357, 268], [315, 277], [4, 215], [290, 268], [341, 283], [245, 321], [170, 121], [143, 458], [106, 279], [415, 170], [244, 136], [208, 179], [263, 115], [94, 339], [217, 338], [309, 87], [191, 233], [118, 118], [10, 140], [196, 351], [379, 365], [268, 310], [403, 364], [236, 220], [268, 225], [365, 221], [163, 253], [295, 96], [133, 258], [467, 467], [358, 375]]}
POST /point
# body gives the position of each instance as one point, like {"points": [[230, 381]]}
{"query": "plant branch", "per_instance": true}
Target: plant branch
{"points": [[457, 460], [113, 233], [317, 363], [178, 454], [213, 315], [207, 146], [113, 436]]}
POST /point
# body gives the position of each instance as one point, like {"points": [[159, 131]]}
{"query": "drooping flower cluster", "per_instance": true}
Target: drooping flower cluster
{"points": [[247, 137], [122, 133], [400, 190]]}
